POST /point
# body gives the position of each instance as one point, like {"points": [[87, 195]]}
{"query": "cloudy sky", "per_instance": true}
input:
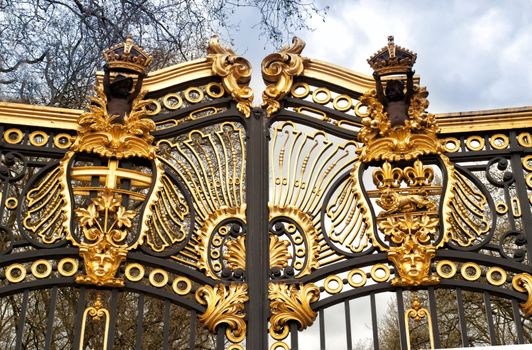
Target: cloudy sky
{"points": [[472, 55]]}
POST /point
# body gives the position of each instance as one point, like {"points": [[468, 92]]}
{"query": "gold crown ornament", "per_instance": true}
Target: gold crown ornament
{"points": [[127, 55], [392, 59]]}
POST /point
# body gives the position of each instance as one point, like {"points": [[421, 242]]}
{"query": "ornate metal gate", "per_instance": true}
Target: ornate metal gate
{"points": [[174, 215]]}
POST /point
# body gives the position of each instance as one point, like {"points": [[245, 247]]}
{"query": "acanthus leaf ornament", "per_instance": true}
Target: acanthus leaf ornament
{"points": [[278, 71], [235, 72]]}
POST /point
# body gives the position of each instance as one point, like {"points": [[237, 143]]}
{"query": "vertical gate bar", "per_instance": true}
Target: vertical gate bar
{"points": [[461, 316], [401, 316], [220, 337], [22, 320], [294, 344], [192, 339], [257, 244], [112, 318], [79, 318], [489, 317], [166, 325], [348, 325], [140, 320], [374, 322], [517, 321], [50, 321], [322, 329], [434, 317]]}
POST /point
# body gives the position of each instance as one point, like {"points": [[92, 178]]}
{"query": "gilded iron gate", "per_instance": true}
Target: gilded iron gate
{"points": [[174, 215]]}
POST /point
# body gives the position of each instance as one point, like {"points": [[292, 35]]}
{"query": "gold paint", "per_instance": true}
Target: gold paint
{"points": [[335, 279], [235, 254], [278, 71], [152, 107], [279, 255], [38, 264], [21, 273], [36, 116], [499, 141], [235, 347], [34, 138], [477, 139], [380, 267], [496, 282], [516, 208], [392, 59], [96, 312], [13, 136], [65, 272], [235, 72], [210, 90], [338, 99], [182, 291], [172, 106], [319, 91], [487, 120], [225, 305], [451, 144], [501, 207], [466, 275], [527, 162], [63, 140], [11, 203], [279, 345], [291, 303], [153, 280], [127, 55], [134, 277], [523, 283], [189, 92], [300, 85], [417, 313], [525, 139], [356, 272], [446, 263]]}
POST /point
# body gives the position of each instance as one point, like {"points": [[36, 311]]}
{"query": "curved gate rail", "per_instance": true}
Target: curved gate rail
{"points": [[194, 220]]}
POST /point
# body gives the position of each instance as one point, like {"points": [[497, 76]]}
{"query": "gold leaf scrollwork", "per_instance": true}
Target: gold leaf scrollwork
{"points": [[235, 72], [291, 303], [225, 305], [278, 70], [235, 256], [417, 313], [279, 255], [523, 283]]}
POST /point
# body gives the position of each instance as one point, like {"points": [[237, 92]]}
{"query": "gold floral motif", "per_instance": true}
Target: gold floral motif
{"points": [[418, 175], [387, 177], [417, 313], [279, 255], [278, 70], [235, 71], [523, 283], [96, 312], [225, 305], [235, 256], [291, 303]]}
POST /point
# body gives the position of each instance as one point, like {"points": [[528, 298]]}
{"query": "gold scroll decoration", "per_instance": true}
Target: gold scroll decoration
{"points": [[291, 303], [417, 313], [225, 305], [523, 283], [96, 312], [236, 253], [278, 71], [235, 72]]}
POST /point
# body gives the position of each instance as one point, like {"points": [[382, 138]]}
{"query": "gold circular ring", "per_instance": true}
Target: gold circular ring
{"points": [[190, 98], [134, 277], [216, 266], [525, 139], [15, 267], [280, 345], [340, 98], [280, 336], [172, 106], [9, 133], [161, 283], [382, 267], [215, 254], [66, 272], [446, 263], [35, 268], [525, 161], [337, 289], [152, 102], [503, 139], [298, 239], [451, 144], [298, 265], [496, 282], [63, 140], [235, 347], [295, 87], [34, 138], [529, 180], [319, 91], [356, 272], [212, 93], [501, 207], [11, 203], [300, 252], [358, 112], [186, 290], [475, 138], [466, 275]]}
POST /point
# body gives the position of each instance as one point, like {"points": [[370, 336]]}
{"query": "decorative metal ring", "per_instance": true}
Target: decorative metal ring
{"points": [[35, 268], [152, 111], [66, 272], [377, 267], [528, 180], [443, 263], [279, 345], [451, 141], [480, 140], [318, 91], [213, 94], [298, 239], [188, 94], [216, 266], [501, 207], [339, 98], [215, 254], [525, 161], [516, 208], [339, 282], [358, 112], [20, 277], [296, 86], [300, 252], [496, 282], [280, 336], [11, 203], [172, 106], [235, 347], [63, 140], [177, 290], [466, 275], [34, 138], [298, 265], [525, 139], [356, 272], [161, 283], [505, 141], [19, 135], [134, 277]]}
